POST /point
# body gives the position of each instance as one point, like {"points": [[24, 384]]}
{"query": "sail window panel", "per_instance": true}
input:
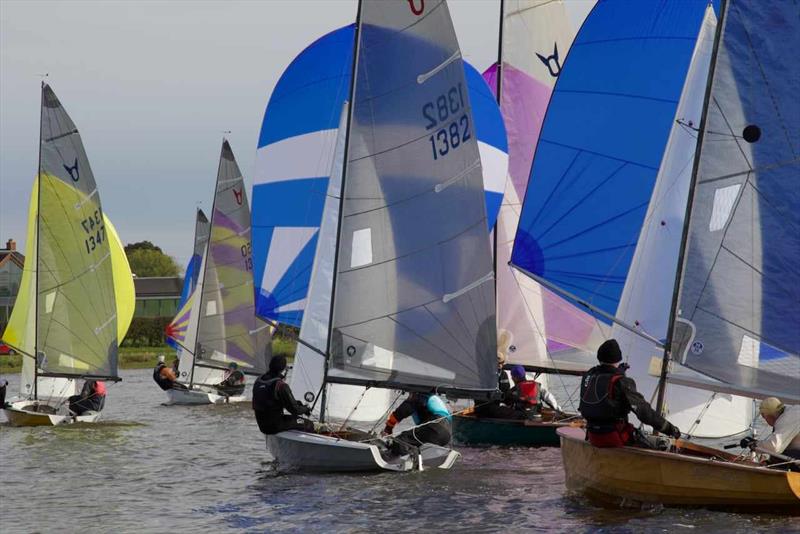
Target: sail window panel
{"points": [[361, 248], [724, 199]]}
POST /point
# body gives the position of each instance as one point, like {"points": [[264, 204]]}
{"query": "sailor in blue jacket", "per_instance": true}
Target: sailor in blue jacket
{"points": [[431, 417]]}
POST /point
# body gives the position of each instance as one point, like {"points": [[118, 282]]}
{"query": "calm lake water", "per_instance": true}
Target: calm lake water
{"points": [[153, 468]]}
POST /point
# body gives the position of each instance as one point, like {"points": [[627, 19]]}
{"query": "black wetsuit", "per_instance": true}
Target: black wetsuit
{"points": [[87, 401], [271, 396], [436, 431], [233, 384], [608, 396], [162, 382], [503, 408]]}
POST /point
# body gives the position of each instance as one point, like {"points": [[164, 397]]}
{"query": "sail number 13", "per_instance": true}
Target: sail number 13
{"points": [[95, 231], [446, 115]]}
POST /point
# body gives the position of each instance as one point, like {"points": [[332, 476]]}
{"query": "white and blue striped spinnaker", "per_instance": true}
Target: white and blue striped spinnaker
{"points": [[294, 158]]}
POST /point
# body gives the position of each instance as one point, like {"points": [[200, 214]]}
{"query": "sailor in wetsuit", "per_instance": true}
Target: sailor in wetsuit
{"points": [[608, 396], [166, 377], [233, 382], [271, 396], [431, 417], [92, 398], [529, 395]]}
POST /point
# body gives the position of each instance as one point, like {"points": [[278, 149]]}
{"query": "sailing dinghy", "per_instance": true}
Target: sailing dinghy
{"points": [[402, 295], [76, 295], [734, 321], [217, 325]]}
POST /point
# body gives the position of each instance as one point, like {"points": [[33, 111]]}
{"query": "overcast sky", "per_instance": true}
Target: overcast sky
{"points": [[152, 86]]}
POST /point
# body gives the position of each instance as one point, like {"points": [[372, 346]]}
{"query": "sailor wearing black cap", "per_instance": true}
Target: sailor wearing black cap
{"points": [[608, 396]]}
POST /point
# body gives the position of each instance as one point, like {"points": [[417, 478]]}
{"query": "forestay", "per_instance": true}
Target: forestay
{"points": [[76, 315], [739, 319], [537, 35], [413, 290], [228, 330], [601, 145]]}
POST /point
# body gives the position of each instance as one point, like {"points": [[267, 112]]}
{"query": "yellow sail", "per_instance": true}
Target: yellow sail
{"points": [[21, 329]]}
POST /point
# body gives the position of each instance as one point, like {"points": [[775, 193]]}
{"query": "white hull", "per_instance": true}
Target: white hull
{"points": [[23, 413], [305, 451], [200, 395]]}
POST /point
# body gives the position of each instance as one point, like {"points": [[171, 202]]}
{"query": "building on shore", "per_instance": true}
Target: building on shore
{"points": [[11, 265], [157, 296]]}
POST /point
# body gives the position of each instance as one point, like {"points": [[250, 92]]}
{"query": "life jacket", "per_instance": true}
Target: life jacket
{"points": [[435, 408], [265, 394], [100, 389], [528, 393], [599, 405]]}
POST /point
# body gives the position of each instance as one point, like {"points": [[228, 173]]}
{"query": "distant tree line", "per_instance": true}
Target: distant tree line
{"points": [[146, 259]]}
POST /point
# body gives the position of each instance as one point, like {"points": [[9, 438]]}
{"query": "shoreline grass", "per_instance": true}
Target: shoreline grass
{"points": [[146, 357]]}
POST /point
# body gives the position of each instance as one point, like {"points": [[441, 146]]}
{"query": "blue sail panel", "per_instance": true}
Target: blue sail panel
{"points": [[601, 145], [295, 153]]}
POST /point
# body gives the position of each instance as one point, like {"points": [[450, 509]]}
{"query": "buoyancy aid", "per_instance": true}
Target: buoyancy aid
{"points": [[528, 393], [599, 405], [265, 395], [435, 408], [100, 389]]}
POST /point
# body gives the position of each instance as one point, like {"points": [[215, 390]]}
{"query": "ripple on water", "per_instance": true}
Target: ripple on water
{"points": [[157, 468]]}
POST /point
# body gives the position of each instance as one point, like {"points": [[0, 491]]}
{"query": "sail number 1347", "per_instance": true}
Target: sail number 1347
{"points": [[447, 115]]}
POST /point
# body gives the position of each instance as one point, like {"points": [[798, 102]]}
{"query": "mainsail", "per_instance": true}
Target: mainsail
{"points": [[599, 151], [737, 317], [648, 291], [536, 37], [413, 298], [223, 327], [302, 118], [76, 312]]}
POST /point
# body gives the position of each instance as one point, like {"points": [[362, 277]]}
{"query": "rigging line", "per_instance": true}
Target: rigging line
{"points": [[702, 413]]}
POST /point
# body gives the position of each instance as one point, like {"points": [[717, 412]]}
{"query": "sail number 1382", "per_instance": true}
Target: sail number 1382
{"points": [[446, 114]]}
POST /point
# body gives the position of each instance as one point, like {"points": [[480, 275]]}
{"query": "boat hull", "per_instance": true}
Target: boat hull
{"points": [[689, 479], [471, 430], [22, 413], [198, 396], [306, 451]]}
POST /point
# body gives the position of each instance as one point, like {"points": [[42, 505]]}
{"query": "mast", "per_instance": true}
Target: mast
{"points": [[662, 380], [36, 249], [206, 253], [498, 95], [353, 74]]}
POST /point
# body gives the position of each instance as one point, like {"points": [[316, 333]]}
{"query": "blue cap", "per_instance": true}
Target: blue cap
{"points": [[518, 372]]}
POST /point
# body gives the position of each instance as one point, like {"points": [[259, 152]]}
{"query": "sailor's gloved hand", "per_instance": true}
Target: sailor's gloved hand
{"points": [[387, 431], [747, 442], [306, 410], [672, 431]]}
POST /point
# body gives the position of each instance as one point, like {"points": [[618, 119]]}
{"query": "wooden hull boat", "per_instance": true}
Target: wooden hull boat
{"points": [[696, 476], [200, 395], [41, 413], [340, 452], [468, 429]]}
